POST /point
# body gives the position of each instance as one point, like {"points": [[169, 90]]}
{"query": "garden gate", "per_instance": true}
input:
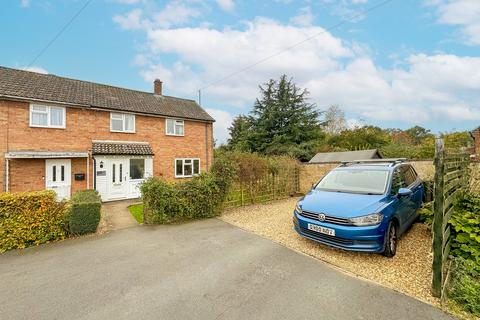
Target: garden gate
{"points": [[451, 177]]}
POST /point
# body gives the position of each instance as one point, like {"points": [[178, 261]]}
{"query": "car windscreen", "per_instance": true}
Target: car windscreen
{"points": [[355, 181]]}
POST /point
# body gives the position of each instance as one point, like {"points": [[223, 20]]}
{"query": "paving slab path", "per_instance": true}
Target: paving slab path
{"points": [[200, 270], [115, 216]]}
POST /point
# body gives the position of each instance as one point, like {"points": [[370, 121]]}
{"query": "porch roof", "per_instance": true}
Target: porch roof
{"points": [[100, 147], [44, 154]]}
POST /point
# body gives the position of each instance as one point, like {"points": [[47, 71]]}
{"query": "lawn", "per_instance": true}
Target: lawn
{"points": [[137, 212]]}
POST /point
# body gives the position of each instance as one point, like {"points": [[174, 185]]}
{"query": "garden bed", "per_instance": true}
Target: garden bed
{"points": [[410, 271]]}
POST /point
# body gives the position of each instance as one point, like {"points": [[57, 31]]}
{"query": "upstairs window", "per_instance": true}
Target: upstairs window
{"points": [[187, 167], [122, 122], [47, 116], [175, 127]]}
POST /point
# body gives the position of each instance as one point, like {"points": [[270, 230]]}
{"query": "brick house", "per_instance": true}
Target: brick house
{"points": [[67, 135], [475, 134]]}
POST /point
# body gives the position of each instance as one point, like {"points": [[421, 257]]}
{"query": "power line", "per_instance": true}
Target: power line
{"points": [[65, 27], [353, 17]]}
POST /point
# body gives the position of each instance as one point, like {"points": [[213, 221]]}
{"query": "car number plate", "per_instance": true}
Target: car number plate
{"points": [[314, 227]]}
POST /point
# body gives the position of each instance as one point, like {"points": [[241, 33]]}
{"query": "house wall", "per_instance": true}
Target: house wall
{"points": [[83, 126], [476, 137]]}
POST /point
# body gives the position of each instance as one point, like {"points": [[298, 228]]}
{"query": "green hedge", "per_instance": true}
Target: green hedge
{"points": [[31, 218], [200, 197], [465, 286], [85, 212]]}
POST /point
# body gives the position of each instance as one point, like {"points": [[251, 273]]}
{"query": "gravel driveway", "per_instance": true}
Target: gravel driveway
{"points": [[409, 271]]}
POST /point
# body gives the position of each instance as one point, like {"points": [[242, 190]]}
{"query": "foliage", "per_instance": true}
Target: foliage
{"points": [[368, 137], [466, 226], [137, 212], [334, 120], [30, 218], [200, 197], [465, 286], [282, 122], [426, 213], [85, 212]]}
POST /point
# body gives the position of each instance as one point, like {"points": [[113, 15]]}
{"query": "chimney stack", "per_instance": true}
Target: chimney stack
{"points": [[157, 87]]}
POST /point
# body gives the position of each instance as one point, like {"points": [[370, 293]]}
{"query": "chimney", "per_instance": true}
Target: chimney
{"points": [[157, 87]]}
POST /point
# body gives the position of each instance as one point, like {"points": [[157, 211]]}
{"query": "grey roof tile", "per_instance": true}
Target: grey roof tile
{"points": [[121, 148], [25, 84]]}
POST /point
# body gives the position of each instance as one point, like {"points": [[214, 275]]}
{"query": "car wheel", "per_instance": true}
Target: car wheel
{"points": [[391, 240]]}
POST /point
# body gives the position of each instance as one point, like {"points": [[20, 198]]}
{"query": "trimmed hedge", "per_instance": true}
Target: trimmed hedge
{"points": [[85, 212], [31, 218], [200, 197]]}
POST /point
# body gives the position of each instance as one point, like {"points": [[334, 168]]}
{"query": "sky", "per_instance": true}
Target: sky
{"points": [[395, 64]]}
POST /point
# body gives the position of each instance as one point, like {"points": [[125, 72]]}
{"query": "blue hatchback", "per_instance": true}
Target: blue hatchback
{"points": [[361, 206]]}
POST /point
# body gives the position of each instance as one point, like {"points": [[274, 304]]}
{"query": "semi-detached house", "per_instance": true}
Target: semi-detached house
{"points": [[67, 135]]}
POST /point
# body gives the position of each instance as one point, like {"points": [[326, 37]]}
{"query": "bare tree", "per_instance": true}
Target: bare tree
{"points": [[334, 120]]}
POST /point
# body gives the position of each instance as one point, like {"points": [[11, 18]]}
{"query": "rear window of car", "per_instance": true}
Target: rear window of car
{"points": [[366, 181]]}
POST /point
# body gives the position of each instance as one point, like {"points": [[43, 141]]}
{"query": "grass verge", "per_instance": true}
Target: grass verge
{"points": [[137, 212]]}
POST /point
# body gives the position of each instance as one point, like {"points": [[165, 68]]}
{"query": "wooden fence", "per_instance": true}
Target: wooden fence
{"points": [[270, 187], [451, 178]]}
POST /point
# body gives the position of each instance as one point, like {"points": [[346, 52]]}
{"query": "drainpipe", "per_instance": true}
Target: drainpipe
{"points": [[88, 170], [206, 144], [7, 174]]}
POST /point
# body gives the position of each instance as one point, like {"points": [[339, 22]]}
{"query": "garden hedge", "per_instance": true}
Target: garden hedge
{"points": [[85, 212], [31, 218]]}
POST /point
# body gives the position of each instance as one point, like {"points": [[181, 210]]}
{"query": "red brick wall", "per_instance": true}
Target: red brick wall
{"points": [[82, 127], [476, 137]]}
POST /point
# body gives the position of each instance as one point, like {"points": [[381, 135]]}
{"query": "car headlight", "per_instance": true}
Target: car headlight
{"points": [[298, 208], [369, 220]]}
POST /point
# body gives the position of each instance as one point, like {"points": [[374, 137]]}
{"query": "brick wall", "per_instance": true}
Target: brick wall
{"points": [[476, 137], [83, 126]]}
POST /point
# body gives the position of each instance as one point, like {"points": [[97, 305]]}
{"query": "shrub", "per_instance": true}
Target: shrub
{"points": [[30, 218], [85, 212], [200, 197], [465, 286], [426, 213], [466, 226]]}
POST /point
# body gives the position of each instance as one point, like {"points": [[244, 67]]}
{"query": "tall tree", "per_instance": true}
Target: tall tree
{"points": [[334, 120], [239, 133], [282, 122]]}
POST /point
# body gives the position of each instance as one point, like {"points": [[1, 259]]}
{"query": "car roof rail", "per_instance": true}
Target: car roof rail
{"points": [[390, 161]]}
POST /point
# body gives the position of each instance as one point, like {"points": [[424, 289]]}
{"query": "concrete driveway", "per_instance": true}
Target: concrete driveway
{"points": [[201, 270]]}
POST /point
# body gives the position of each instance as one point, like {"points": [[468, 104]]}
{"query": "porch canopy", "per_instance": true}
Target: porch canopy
{"points": [[44, 154], [104, 147]]}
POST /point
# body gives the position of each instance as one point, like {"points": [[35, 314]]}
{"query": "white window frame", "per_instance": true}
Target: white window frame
{"points": [[175, 121], [47, 112], [183, 167], [123, 115]]}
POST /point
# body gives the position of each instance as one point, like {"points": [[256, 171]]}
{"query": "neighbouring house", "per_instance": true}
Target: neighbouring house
{"points": [[475, 134], [67, 135], [334, 157]]}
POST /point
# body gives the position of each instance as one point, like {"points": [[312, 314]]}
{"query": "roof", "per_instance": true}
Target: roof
{"points": [[121, 148], [323, 157], [16, 83]]}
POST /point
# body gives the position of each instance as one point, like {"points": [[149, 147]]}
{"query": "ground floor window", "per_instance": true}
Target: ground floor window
{"points": [[187, 167], [137, 169]]}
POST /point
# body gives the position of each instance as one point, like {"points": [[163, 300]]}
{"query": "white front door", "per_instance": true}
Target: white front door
{"points": [[58, 177], [118, 176]]}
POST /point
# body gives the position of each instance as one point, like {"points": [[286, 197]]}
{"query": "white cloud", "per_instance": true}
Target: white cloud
{"points": [[418, 89], [227, 5], [223, 120], [304, 18], [35, 69], [130, 21], [25, 3], [462, 13]]}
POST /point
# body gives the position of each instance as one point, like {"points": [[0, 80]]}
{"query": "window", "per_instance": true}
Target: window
{"points": [[137, 169], [121, 122], [355, 181], [175, 127], [187, 167], [397, 182], [409, 174], [47, 116]]}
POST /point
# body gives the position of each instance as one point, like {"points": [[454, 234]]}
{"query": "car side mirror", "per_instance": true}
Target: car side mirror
{"points": [[402, 192]]}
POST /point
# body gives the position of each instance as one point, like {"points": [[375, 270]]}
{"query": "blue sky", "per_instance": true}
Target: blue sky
{"points": [[406, 63]]}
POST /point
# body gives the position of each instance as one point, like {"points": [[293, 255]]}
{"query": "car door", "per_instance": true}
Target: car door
{"points": [[410, 180], [400, 204], [417, 189]]}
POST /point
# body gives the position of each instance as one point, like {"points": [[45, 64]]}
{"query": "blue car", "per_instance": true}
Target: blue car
{"points": [[361, 206]]}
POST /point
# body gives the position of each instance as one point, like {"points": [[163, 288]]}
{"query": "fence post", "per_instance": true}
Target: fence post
{"points": [[438, 213]]}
